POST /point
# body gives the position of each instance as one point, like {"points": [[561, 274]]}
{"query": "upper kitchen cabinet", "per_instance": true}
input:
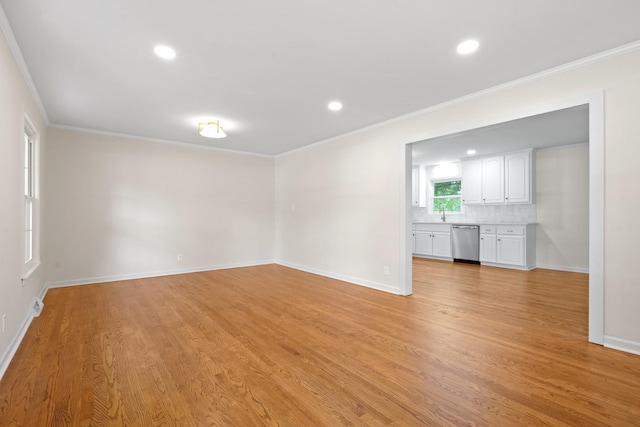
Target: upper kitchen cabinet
{"points": [[518, 177], [472, 182], [493, 180], [503, 179]]}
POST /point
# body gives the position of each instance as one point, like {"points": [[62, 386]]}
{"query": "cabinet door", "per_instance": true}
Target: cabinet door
{"points": [[442, 244], [518, 177], [493, 180], [424, 245], [415, 186], [511, 250], [488, 248], [472, 182]]}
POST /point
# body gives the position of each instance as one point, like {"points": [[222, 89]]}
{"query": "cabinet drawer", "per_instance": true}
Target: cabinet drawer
{"points": [[487, 229], [516, 230], [444, 228]]}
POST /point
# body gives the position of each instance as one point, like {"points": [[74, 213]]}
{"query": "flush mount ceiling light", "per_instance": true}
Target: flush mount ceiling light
{"points": [[211, 129], [164, 52], [468, 46], [471, 152], [335, 106]]}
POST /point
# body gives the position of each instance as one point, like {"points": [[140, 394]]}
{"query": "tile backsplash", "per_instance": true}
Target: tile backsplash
{"points": [[483, 213]]}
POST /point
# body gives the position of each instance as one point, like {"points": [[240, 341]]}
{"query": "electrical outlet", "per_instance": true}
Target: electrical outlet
{"points": [[385, 270], [179, 257], [4, 322]]}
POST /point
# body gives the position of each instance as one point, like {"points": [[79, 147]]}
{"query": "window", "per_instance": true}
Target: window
{"points": [[29, 195], [447, 195]]}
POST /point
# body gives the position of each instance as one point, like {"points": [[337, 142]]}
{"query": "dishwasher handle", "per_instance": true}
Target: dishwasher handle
{"points": [[465, 226]]}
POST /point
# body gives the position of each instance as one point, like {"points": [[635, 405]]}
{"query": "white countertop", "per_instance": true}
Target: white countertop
{"points": [[474, 223]]}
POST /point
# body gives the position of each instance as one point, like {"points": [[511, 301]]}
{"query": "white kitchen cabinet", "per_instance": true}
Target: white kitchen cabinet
{"points": [[508, 245], [424, 243], [503, 179], [441, 244], [415, 186], [488, 241], [518, 177], [510, 250], [472, 182], [493, 180], [432, 240]]}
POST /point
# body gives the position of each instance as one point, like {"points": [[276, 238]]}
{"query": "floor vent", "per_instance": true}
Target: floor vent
{"points": [[37, 307]]}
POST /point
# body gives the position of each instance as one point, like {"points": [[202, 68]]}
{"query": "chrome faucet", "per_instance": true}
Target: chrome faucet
{"points": [[443, 216]]}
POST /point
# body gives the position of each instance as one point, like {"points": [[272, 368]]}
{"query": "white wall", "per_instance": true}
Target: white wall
{"points": [[124, 207], [333, 216], [562, 183], [356, 236], [15, 102]]}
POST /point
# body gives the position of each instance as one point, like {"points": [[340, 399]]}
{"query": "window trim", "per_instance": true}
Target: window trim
{"points": [[29, 180], [432, 196]]}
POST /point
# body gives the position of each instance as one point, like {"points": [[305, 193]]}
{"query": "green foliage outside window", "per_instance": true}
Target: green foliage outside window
{"points": [[447, 195]]}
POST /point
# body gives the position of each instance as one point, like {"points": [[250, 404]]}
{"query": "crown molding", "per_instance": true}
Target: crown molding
{"points": [[5, 27], [602, 56], [164, 141]]}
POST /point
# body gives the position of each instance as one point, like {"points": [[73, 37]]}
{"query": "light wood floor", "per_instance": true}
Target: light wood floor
{"points": [[273, 346]]}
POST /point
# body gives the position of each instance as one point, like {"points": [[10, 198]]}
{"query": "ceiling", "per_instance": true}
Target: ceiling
{"points": [[269, 69], [553, 129]]}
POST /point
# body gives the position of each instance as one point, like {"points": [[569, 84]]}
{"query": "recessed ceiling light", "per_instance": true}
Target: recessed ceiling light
{"points": [[164, 52], [335, 106], [468, 46], [471, 152]]}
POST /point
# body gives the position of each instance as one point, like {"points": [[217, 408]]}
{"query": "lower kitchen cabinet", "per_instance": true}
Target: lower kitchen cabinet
{"points": [[508, 245], [424, 243], [510, 250], [441, 244], [432, 240], [504, 245], [488, 247]]}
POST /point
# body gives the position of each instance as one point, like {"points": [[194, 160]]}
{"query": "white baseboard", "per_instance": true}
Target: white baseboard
{"points": [[351, 280], [622, 344], [563, 268], [115, 278], [15, 343]]}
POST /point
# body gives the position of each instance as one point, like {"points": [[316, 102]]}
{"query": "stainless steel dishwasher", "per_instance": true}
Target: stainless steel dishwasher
{"points": [[465, 242]]}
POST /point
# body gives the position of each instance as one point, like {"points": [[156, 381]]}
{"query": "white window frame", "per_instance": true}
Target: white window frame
{"points": [[432, 195], [30, 252]]}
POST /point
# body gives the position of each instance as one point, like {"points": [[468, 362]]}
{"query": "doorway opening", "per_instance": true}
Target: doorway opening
{"points": [[588, 108]]}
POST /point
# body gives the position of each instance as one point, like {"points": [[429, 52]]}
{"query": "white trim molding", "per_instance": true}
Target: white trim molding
{"points": [[598, 57], [5, 27], [563, 268], [146, 275], [622, 344], [6, 358], [343, 278]]}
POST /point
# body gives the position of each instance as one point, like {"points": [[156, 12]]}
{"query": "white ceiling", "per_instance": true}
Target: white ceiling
{"points": [[553, 129], [268, 69]]}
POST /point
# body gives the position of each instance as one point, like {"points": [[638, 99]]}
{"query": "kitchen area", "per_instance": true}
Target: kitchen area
{"points": [[512, 195]]}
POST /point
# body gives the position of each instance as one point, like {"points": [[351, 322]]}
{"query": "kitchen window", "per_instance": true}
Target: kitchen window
{"points": [[447, 195]]}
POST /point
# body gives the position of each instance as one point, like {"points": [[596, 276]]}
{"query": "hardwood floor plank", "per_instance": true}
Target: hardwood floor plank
{"points": [[269, 345]]}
